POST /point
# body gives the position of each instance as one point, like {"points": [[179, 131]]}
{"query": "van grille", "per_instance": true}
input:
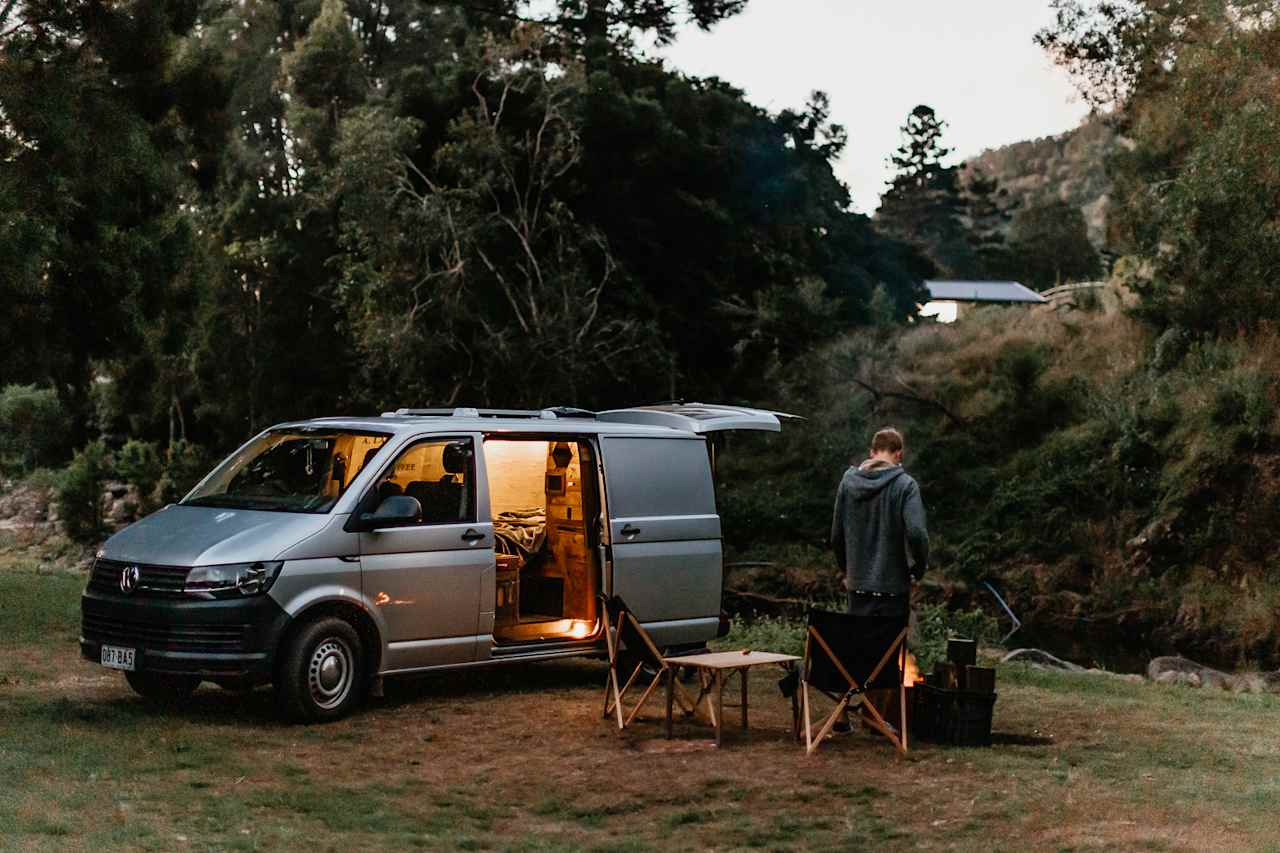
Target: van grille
{"points": [[153, 581], [184, 638]]}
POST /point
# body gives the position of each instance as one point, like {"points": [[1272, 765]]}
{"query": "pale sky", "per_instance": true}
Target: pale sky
{"points": [[974, 62]]}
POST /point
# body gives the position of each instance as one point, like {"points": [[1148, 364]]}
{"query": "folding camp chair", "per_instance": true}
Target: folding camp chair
{"points": [[844, 656], [623, 630]]}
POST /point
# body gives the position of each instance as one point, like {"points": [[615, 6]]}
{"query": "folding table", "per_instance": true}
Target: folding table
{"points": [[716, 668]]}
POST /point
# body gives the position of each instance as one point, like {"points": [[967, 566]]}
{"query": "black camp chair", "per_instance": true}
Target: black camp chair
{"points": [[844, 656], [622, 630]]}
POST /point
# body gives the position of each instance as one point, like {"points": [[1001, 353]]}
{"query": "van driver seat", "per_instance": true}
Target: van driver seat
{"points": [[443, 501]]}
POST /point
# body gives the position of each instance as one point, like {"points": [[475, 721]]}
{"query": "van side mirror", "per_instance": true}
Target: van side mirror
{"points": [[394, 511]]}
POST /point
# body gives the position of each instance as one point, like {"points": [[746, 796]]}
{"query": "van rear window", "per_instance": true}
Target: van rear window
{"points": [[299, 470], [651, 477]]}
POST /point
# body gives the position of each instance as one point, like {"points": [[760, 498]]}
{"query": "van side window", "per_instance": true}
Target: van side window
{"points": [[658, 477], [440, 473]]}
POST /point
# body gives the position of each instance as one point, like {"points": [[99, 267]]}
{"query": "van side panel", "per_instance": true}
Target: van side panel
{"points": [[665, 534]]}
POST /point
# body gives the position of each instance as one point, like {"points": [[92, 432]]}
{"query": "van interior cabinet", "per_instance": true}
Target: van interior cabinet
{"points": [[507, 607]]}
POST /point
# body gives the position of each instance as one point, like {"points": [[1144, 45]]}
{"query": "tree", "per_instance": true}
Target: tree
{"points": [[1196, 199], [217, 216], [923, 204], [99, 105], [486, 287], [1049, 245], [610, 20], [709, 201], [987, 216], [269, 342]]}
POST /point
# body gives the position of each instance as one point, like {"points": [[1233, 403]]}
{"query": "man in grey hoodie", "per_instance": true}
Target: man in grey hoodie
{"points": [[879, 531], [880, 537]]}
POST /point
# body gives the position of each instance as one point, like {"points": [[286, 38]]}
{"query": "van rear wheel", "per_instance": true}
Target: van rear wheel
{"points": [[323, 674], [162, 688]]}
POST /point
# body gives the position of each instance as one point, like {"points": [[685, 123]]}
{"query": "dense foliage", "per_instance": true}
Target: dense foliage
{"points": [[1049, 245], [216, 216], [1196, 204], [1111, 465]]}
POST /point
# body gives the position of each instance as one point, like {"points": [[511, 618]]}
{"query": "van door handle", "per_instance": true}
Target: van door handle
{"points": [[472, 535], [628, 530]]}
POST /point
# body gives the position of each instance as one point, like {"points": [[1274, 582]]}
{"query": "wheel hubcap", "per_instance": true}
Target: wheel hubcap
{"points": [[330, 672]]}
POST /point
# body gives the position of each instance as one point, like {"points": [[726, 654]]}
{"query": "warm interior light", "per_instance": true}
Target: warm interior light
{"points": [[945, 311], [579, 630], [911, 672]]}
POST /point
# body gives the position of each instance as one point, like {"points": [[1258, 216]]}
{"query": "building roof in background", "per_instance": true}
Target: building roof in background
{"points": [[982, 291]]}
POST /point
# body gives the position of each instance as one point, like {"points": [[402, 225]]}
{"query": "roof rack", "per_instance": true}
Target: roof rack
{"points": [[465, 412]]}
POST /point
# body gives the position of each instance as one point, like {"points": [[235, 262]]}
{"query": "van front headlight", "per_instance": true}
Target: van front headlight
{"points": [[232, 579]]}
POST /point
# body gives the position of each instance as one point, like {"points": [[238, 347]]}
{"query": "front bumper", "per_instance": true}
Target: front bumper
{"points": [[234, 639]]}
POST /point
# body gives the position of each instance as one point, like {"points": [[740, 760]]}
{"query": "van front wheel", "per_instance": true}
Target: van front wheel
{"points": [[322, 676]]}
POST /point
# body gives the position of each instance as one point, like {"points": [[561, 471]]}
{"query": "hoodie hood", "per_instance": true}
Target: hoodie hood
{"points": [[872, 477]]}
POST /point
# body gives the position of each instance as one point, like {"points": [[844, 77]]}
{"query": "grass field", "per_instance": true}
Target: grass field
{"points": [[517, 758]]}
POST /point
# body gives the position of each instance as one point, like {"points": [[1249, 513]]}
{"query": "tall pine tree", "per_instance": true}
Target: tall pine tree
{"points": [[923, 204]]}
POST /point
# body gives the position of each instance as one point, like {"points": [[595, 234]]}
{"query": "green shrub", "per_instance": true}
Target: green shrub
{"points": [[33, 426], [185, 465], [935, 624], [1021, 364], [1170, 348], [1037, 499], [781, 634], [1030, 405], [1244, 400], [79, 491], [139, 463]]}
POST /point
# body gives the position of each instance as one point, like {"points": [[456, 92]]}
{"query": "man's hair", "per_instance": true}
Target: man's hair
{"points": [[887, 439]]}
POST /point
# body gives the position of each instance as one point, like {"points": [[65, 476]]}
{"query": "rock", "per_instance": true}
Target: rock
{"points": [[1188, 679], [1130, 677], [24, 504], [1151, 537], [120, 504], [1171, 663], [1249, 682], [1171, 669], [1041, 658]]}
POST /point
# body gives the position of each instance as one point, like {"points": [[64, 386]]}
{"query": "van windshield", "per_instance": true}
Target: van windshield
{"points": [[290, 470]]}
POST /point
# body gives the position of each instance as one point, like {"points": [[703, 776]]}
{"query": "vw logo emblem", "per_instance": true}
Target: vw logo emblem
{"points": [[129, 579]]}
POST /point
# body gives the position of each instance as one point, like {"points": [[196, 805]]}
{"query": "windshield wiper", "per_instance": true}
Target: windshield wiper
{"points": [[233, 502]]}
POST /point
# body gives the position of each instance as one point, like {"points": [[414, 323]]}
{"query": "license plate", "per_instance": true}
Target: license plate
{"points": [[118, 657]]}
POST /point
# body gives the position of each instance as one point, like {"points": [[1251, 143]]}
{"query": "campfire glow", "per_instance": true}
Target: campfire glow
{"points": [[911, 672]]}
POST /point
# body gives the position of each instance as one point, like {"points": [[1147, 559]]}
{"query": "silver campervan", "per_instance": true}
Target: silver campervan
{"points": [[326, 554]]}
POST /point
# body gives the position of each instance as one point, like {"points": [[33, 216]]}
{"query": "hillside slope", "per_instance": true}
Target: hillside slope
{"points": [[1110, 482], [1069, 167]]}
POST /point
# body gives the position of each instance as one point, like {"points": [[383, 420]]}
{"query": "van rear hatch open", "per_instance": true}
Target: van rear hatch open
{"points": [[698, 417]]}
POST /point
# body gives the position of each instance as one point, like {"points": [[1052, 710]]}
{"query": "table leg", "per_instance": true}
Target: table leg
{"points": [[671, 695], [795, 708], [742, 677], [719, 704]]}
